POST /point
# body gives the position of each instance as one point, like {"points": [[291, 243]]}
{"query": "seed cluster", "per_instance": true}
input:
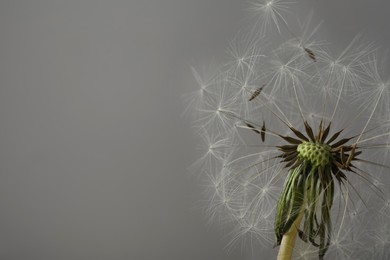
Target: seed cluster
{"points": [[318, 154]]}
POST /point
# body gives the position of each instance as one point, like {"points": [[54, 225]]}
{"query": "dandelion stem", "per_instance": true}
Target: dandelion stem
{"points": [[288, 240]]}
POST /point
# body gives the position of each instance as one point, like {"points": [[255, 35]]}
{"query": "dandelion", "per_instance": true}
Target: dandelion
{"points": [[297, 142]]}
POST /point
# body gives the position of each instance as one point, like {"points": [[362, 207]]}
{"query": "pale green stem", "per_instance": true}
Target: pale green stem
{"points": [[288, 240]]}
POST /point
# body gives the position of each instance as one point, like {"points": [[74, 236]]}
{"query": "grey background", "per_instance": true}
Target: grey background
{"points": [[94, 153]]}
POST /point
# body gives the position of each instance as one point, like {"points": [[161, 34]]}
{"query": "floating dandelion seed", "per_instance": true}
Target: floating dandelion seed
{"points": [[256, 93], [311, 54], [328, 140], [262, 134]]}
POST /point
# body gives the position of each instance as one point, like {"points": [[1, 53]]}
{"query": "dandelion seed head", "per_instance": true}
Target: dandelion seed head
{"points": [[296, 115]]}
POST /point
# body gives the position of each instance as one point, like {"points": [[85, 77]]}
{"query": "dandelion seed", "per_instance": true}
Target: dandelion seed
{"points": [[256, 93], [310, 53], [263, 132]]}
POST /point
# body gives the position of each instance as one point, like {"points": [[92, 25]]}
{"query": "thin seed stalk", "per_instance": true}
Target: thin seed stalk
{"points": [[288, 240]]}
